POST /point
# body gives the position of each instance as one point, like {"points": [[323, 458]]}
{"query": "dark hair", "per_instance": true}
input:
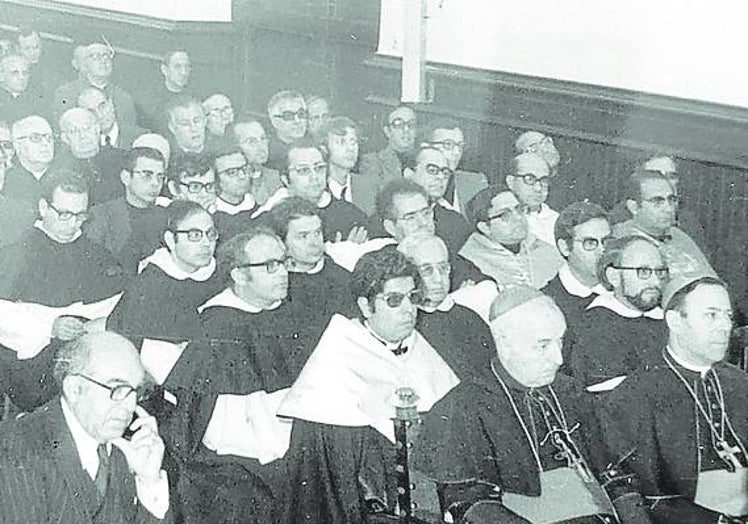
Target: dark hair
{"points": [[226, 148], [189, 165], [678, 301], [338, 126], [132, 155], [180, 210], [573, 215], [232, 252], [64, 179], [385, 203], [478, 207], [287, 210], [423, 148], [633, 186], [613, 254], [373, 270], [181, 100], [166, 59], [302, 143], [439, 123]]}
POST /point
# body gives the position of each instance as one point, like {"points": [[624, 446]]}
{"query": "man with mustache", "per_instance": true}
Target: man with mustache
{"points": [[684, 420], [622, 330]]}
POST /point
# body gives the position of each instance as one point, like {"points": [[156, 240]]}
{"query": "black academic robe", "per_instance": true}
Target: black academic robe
{"points": [[30, 102], [653, 414], [42, 480], [229, 225], [158, 306], [21, 184], [472, 441], [16, 219], [43, 271], [607, 345], [340, 216], [451, 227], [461, 338], [101, 171]]}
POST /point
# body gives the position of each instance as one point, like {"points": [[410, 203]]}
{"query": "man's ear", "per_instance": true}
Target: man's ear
{"points": [[613, 276], [363, 306], [172, 185], [672, 318], [483, 228], [633, 206], [237, 276], [508, 180], [389, 226], [386, 130], [169, 240], [408, 173], [124, 177], [163, 70], [284, 178], [71, 386], [563, 247]]}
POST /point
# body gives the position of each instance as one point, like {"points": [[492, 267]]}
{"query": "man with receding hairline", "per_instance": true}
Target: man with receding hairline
{"points": [[175, 67], [34, 145], [18, 99], [289, 117], [69, 461], [113, 134]]}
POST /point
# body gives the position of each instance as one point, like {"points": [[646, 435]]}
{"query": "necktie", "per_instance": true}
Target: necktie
{"points": [[102, 474], [401, 349], [108, 141]]}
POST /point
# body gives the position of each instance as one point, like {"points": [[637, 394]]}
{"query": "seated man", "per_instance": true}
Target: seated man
{"points": [[446, 135], [581, 232], [186, 123], [289, 118], [130, 227], [306, 177], [69, 460], [93, 59], [176, 68], [219, 115], [458, 334], [684, 421], [653, 204], [341, 142], [520, 444], [538, 143], [18, 99], [502, 247], [388, 164], [252, 140], [43, 79], [234, 202], [191, 177], [319, 117], [113, 134], [34, 146], [529, 182], [16, 216], [621, 330], [82, 152]]}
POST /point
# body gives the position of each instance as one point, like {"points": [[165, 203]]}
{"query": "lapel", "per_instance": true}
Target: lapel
{"points": [[78, 485]]}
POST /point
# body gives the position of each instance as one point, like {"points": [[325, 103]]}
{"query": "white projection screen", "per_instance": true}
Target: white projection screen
{"points": [[177, 10], [691, 49]]}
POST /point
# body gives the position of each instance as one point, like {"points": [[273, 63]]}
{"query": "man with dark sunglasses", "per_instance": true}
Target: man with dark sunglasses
{"points": [[343, 400], [653, 203], [69, 459], [288, 115], [621, 330]]}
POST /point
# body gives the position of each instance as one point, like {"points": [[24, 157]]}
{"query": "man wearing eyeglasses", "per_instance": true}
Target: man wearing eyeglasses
{"points": [[345, 423], [683, 420], [130, 227], [93, 58], [653, 203], [34, 145], [502, 247], [81, 151], [581, 232], [69, 460], [186, 123], [234, 201], [113, 134], [319, 116], [529, 182], [387, 164], [288, 115], [447, 136], [191, 177], [18, 99], [253, 141], [621, 330], [219, 114]]}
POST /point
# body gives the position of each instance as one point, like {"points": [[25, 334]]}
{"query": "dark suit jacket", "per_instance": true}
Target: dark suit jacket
{"points": [[42, 480], [20, 184], [467, 184], [364, 192], [378, 168], [66, 96], [127, 133]]}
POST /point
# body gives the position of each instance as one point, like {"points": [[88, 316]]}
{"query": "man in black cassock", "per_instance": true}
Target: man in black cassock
{"points": [[621, 330], [34, 146], [519, 444], [684, 421]]}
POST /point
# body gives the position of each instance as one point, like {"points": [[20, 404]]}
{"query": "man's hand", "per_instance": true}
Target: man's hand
{"points": [[357, 235], [67, 328], [145, 450]]}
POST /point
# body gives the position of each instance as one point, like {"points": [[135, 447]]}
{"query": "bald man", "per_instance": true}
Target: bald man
{"points": [[113, 133], [69, 461]]}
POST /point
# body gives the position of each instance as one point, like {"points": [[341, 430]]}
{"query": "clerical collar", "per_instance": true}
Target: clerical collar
{"points": [[609, 301], [247, 204], [228, 298], [573, 286], [85, 444], [40, 226], [396, 348], [445, 305], [318, 267], [702, 370], [162, 259]]}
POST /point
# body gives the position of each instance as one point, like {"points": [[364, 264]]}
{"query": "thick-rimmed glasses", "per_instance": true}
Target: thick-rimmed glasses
{"points": [[65, 215], [290, 116], [196, 187], [395, 299], [317, 169], [150, 176], [399, 123], [645, 273], [661, 201], [236, 172], [38, 138], [196, 235], [590, 243], [429, 270], [426, 213], [434, 170], [271, 266], [118, 392], [221, 111], [505, 215], [532, 180], [449, 145]]}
